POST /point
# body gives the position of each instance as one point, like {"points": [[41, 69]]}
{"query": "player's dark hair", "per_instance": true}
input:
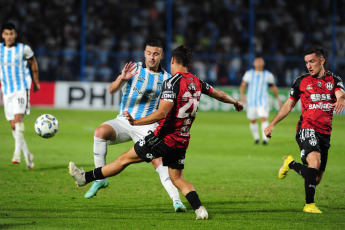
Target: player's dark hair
{"points": [[183, 55], [317, 49], [8, 26], [153, 43]]}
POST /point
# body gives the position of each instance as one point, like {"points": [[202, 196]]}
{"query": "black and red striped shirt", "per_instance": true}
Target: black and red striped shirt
{"points": [[317, 97], [184, 89]]}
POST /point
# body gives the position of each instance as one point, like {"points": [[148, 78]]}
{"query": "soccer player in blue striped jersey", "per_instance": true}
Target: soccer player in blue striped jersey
{"points": [[141, 85], [15, 85], [258, 81]]}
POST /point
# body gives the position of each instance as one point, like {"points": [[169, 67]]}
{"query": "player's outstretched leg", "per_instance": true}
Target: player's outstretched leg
{"points": [[97, 184], [285, 168]]}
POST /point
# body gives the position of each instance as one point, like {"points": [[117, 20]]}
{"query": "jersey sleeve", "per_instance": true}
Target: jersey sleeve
{"points": [[270, 80], [205, 87], [246, 77], [169, 91], [28, 53], [339, 85], [295, 91]]}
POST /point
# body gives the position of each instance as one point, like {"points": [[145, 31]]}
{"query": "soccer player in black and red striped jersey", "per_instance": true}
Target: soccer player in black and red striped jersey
{"points": [[176, 112], [321, 93]]}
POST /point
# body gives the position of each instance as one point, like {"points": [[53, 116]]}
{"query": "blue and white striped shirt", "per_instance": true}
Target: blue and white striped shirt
{"points": [[141, 94], [258, 83], [14, 73]]}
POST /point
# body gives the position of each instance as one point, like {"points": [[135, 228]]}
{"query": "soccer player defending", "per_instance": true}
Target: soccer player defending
{"points": [[176, 113], [141, 85], [258, 80], [15, 84], [321, 92]]}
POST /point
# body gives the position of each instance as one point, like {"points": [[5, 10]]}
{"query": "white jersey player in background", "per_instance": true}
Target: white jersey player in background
{"points": [[141, 85], [258, 81], [15, 84]]}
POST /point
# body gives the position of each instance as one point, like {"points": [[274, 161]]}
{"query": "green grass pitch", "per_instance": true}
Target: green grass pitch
{"points": [[237, 181]]}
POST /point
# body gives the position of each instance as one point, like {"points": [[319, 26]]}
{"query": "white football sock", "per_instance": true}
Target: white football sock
{"points": [[263, 127], [19, 140], [254, 127], [99, 151], [168, 185]]}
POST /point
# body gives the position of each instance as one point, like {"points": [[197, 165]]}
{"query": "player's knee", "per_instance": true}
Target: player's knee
{"points": [[104, 133], [157, 162]]}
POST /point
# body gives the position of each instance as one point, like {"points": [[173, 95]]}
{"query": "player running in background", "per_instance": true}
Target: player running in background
{"points": [[258, 81], [176, 113], [141, 85], [15, 84], [321, 93]]}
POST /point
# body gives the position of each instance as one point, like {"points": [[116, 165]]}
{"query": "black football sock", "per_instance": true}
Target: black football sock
{"points": [[299, 168], [95, 174], [310, 185], [194, 200]]}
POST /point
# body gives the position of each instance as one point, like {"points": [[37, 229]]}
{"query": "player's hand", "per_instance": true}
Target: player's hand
{"points": [[129, 117], [37, 87], [339, 106], [268, 131], [126, 73], [238, 106]]}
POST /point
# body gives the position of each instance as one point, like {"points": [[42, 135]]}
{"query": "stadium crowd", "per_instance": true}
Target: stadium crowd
{"points": [[115, 28]]}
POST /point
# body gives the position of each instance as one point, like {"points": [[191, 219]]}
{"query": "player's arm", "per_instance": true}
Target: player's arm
{"points": [[161, 113], [226, 98], [339, 106], [282, 113], [275, 92], [242, 90], [126, 74], [34, 68]]}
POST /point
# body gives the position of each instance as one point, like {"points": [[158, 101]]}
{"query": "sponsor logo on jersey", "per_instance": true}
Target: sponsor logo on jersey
{"points": [[141, 79], [322, 106], [168, 95], [320, 97], [310, 86], [146, 94], [329, 85]]}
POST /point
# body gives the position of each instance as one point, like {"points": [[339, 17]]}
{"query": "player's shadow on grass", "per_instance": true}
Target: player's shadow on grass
{"points": [[57, 167]]}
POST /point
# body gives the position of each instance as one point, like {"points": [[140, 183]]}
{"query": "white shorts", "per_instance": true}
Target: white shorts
{"points": [[16, 103], [126, 132], [254, 113]]}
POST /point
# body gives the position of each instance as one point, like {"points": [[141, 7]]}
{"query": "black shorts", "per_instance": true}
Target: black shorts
{"points": [[152, 147], [309, 140]]}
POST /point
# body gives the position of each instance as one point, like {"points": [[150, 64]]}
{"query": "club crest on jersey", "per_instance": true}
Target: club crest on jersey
{"points": [[329, 85], [319, 84], [313, 142], [192, 86]]}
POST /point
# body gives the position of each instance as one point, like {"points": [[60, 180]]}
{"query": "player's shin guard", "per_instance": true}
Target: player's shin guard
{"points": [[264, 125], [193, 199], [99, 151], [254, 128], [310, 185], [163, 172], [299, 168]]}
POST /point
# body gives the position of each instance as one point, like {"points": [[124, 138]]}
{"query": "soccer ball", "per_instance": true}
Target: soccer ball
{"points": [[46, 126]]}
